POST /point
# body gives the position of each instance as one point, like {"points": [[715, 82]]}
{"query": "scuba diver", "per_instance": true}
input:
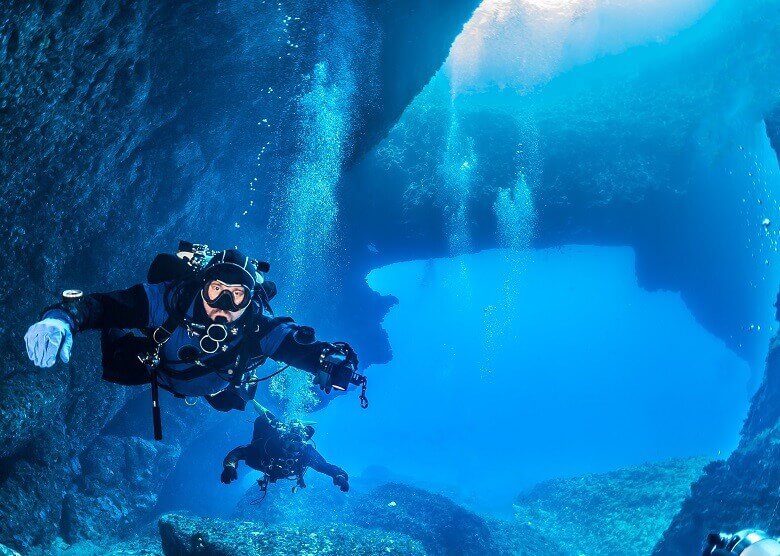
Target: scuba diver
{"points": [[199, 326], [748, 542], [281, 451]]}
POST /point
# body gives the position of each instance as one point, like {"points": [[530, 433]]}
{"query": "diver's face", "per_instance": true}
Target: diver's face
{"points": [[237, 293], [226, 297], [213, 313]]}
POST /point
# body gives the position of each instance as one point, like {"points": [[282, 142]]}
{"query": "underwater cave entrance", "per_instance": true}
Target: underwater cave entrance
{"points": [[514, 367]]}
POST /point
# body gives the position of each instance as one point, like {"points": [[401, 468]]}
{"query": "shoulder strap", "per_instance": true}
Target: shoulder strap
{"points": [[177, 300], [244, 351], [196, 371]]}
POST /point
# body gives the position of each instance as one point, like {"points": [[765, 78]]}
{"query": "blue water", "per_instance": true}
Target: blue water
{"points": [[515, 365], [630, 133], [509, 368]]}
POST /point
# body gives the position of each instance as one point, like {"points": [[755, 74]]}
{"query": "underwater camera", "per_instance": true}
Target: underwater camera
{"points": [[748, 542], [341, 378], [341, 362]]}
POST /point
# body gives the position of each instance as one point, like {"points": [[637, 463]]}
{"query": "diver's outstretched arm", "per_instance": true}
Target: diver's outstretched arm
{"points": [[263, 412], [315, 460], [264, 424], [300, 349], [234, 456], [230, 464], [139, 306], [128, 308]]}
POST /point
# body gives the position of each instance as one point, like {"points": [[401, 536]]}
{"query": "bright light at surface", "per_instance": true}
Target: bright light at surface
{"points": [[524, 43]]}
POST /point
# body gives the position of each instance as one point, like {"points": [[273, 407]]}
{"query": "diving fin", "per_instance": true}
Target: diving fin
{"points": [[262, 411]]}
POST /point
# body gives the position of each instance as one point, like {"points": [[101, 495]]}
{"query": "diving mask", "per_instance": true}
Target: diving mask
{"points": [[228, 297]]}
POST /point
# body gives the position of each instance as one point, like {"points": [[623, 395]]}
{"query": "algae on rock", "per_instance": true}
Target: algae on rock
{"points": [[605, 513]]}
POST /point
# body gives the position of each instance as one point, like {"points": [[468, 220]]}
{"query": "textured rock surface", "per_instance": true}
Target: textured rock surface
{"points": [[605, 513], [184, 535], [146, 545], [32, 488], [122, 472], [119, 481], [121, 126], [521, 539], [737, 494], [440, 525], [742, 491], [437, 522]]}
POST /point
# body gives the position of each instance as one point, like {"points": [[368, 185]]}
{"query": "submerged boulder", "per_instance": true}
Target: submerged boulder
{"points": [[437, 522], [31, 487], [121, 477], [142, 545], [122, 473], [739, 493], [184, 535], [611, 513], [521, 539], [440, 525]]}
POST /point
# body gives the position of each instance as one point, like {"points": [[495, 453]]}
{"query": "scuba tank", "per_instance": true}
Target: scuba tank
{"points": [[188, 262]]}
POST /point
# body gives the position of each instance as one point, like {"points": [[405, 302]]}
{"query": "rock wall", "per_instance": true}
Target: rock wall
{"points": [[125, 126], [742, 491]]}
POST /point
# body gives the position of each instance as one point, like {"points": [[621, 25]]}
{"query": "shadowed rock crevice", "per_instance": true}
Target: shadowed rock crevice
{"points": [[740, 492]]}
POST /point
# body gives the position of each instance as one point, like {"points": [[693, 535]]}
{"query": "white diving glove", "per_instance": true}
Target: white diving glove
{"points": [[45, 339]]}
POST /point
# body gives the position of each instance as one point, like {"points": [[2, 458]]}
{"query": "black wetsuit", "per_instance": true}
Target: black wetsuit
{"points": [[281, 454]]}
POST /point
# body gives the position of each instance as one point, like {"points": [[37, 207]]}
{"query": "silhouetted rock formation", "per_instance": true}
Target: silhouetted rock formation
{"points": [[742, 491]]}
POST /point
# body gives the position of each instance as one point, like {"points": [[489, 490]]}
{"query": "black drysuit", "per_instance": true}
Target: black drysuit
{"points": [[280, 454], [147, 307]]}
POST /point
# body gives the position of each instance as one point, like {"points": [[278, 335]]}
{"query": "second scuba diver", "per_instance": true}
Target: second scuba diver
{"points": [[281, 451], [198, 327]]}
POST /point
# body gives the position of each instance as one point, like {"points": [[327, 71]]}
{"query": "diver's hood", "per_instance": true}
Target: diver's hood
{"points": [[231, 267]]}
